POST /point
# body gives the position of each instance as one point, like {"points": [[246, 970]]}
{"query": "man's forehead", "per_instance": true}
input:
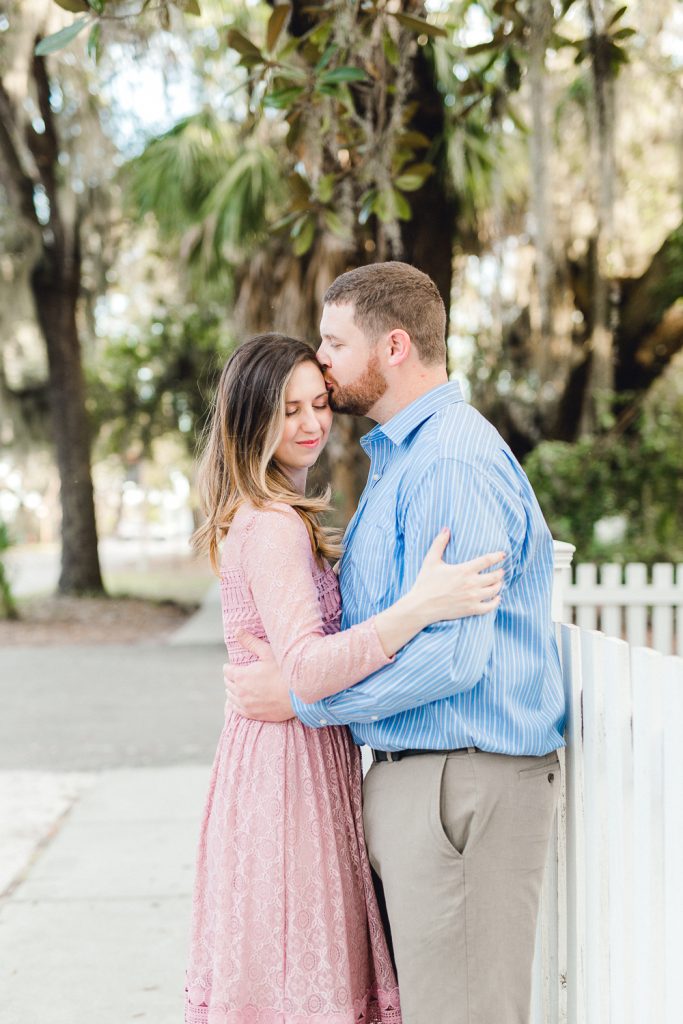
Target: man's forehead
{"points": [[342, 313]]}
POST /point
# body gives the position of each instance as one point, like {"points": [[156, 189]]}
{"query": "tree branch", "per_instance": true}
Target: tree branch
{"points": [[20, 180], [649, 334], [44, 146]]}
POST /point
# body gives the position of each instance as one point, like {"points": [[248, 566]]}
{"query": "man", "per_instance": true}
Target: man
{"points": [[465, 723]]}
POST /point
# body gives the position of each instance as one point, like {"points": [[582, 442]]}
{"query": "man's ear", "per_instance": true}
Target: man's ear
{"points": [[399, 346]]}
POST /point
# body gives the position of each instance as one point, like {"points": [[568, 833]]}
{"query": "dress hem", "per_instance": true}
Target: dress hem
{"points": [[373, 1009]]}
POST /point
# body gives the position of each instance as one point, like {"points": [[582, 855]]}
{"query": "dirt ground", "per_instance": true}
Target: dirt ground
{"points": [[93, 620]]}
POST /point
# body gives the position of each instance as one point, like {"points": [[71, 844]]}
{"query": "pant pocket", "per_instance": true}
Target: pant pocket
{"points": [[453, 803], [547, 765]]}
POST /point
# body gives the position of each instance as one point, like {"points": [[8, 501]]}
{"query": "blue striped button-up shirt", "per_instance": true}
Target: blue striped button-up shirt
{"points": [[491, 681]]}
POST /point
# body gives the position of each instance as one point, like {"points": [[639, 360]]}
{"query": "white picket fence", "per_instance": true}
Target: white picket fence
{"points": [[628, 602], [610, 943]]}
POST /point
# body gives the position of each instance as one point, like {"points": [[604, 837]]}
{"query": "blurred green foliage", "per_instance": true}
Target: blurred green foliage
{"points": [[8, 608], [159, 380], [635, 475]]}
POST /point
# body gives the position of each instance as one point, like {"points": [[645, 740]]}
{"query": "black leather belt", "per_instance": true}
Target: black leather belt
{"points": [[398, 755]]}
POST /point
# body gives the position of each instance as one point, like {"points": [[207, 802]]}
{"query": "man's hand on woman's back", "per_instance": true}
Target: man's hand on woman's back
{"points": [[256, 690]]}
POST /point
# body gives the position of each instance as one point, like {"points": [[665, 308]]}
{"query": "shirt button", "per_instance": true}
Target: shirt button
{"points": [[375, 717], [323, 721], [376, 476]]}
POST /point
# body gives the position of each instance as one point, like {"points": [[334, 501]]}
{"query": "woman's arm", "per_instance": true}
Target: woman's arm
{"points": [[278, 562]]}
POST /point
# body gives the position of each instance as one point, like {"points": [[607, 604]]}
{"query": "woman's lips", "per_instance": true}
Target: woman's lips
{"points": [[309, 444]]}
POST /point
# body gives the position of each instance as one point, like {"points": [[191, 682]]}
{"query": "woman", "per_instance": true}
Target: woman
{"points": [[286, 928]]}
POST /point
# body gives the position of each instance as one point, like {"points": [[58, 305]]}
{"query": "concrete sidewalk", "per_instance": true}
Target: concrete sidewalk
{"points": [[105, 757], [206, 625], [96, 927]]}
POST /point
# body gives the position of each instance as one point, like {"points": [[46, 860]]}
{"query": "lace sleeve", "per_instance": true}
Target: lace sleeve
{"points": [[278, 563]]}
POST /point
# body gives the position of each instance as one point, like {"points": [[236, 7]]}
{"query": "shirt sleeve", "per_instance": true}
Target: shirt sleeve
{"points": [[278, 562], [448, 657]]}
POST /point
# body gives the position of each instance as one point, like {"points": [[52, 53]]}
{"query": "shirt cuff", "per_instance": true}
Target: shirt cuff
{"points": [[317, 715]]}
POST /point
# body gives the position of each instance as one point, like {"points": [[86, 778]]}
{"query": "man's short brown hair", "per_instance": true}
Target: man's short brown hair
{"points": [[393, 295]]}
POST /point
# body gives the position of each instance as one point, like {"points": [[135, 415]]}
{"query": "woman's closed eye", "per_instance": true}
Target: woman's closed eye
{"points": [[293, 412]]}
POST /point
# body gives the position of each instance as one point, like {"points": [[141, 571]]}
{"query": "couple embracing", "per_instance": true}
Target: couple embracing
{"points": [[446, 667]]}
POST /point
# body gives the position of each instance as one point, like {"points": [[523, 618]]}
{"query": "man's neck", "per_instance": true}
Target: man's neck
{"points": [[402, 394]]}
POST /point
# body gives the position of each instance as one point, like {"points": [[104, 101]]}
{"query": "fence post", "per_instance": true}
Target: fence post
{"points": [[562, 577]]}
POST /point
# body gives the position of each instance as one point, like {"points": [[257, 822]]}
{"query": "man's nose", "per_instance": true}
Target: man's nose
{"points": [[322, 356]]}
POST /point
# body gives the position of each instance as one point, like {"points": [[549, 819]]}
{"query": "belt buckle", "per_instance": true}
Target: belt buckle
{"points": [[391, 758]]}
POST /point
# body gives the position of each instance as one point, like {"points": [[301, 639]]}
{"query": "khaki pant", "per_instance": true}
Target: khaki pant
{"points": [[459, 842]]}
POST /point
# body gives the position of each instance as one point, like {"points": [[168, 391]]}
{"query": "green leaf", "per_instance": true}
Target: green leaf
{"points": [[283, 222], [414, 140], [300, 188], [617, 56], [276, 23], [321, 33], [58, 40], [616, 16], [490, 44], [326, 187], [238, 41], [624, 33], [93, 45], [402, 206], [304, 240], [557, 41], [282, 98], [73, 6], [418, 25], [343, 74], [367, 206], [299, 225], [413, 178], [390, 50], [335, 224], [326, 57]]}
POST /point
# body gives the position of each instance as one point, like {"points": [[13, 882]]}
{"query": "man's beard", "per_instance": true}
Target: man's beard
{"points": [[358, 398]]}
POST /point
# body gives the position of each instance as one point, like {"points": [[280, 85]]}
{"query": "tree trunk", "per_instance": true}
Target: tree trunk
{"points": [[55, 283], [600, 383], [428, 237], [56, 292], [540, 29]]}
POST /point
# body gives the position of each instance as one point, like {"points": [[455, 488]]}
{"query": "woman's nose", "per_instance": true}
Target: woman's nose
{"points": [[310, 422]]}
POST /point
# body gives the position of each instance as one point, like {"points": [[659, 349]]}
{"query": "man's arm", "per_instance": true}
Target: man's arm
{"points": [[448, 657]]}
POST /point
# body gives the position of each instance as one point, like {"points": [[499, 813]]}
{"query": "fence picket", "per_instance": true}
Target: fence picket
{"points": [[621, 607], [595, 824], [610, 614], [570, 649], [648, 833], [662, 616], [614, 880], [672, 710], [678, 587], [586, 577], [636, 612], [619, 777]]}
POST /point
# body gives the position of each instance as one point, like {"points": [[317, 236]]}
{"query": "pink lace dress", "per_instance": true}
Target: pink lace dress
{"points": [[285, 925]]}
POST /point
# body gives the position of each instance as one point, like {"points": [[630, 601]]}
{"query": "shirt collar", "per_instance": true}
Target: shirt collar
{"points": [[405, 421]]}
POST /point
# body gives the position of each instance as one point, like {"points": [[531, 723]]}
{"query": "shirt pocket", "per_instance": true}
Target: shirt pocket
{"points": [[374, 562]]}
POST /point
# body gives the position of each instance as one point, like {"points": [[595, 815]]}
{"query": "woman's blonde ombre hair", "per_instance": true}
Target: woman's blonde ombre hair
{"points": [[236, 465]]}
